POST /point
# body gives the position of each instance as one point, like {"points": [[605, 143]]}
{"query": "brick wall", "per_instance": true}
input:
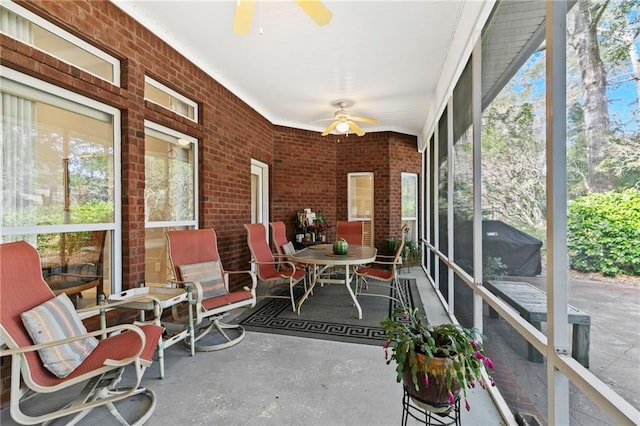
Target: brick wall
{"points": [[306, 169], [303, 176], [387, 155]]}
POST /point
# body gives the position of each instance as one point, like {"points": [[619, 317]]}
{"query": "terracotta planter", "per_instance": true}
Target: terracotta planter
{"points": [[435, 396]]}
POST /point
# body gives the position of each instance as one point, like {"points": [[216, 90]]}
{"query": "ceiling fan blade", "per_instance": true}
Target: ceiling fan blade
{"points": [[330, 128], [316, 11], [365, 120], [244, 16], [355, 128]]}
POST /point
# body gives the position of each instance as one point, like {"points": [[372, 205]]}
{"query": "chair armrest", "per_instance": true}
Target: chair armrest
{"points": [[266, 263], [380, 262], [179, 283], [89, 277], [291, 265], [254, 280], [385, 256], [119, 327]]}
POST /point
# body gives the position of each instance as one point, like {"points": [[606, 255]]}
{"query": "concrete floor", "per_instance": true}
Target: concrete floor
{"points": [[282, 380]]}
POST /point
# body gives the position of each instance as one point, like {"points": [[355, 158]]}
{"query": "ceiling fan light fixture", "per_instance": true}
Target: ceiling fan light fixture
{"points": [[342, 127]]}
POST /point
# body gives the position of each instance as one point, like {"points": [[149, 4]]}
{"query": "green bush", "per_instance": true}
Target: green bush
{"points": [[604, 233]]}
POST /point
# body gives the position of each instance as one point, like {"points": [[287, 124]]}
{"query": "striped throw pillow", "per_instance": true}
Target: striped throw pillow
{"points": [[57, 319], [288, 248], [208, 274]]}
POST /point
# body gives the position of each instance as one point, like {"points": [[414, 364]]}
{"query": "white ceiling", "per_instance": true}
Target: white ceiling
{"points": [[391, 60]]}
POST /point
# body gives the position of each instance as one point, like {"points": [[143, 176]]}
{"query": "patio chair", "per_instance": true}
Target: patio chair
{"points": [[194, 258], [281, 244], [351, 231], [269, 269], [383, 272], [52, 352]]}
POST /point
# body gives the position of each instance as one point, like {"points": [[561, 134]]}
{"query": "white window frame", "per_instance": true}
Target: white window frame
{"points": [[261, 170], [368, 222], [173, 94], [404, 175], [187, 139], [79, 43], [115, 227]]}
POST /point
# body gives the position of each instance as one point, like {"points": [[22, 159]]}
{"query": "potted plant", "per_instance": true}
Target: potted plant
{"points": [[436, 362], [411, 253]]}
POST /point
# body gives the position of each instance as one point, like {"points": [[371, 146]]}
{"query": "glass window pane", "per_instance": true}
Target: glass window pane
{"points": [[169, 180], [360, 196], [35, 31], [170, 194], [410, 205], [162, 95], [57, 163], [58, 182]]}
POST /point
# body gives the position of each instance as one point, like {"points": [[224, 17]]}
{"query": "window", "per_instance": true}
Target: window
{"points": [[29, 28], [160, 94], [360, 203], [410, 205], [170, 193], [60, 172]]}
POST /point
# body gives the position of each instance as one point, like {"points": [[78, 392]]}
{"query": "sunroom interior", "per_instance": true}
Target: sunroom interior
{"points": [[149, 147]]}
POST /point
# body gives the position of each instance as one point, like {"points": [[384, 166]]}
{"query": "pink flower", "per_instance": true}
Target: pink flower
{"points": [[452, 399], [467, 405], [478, 355], [488, 363], [426, 380], [474, 345]]}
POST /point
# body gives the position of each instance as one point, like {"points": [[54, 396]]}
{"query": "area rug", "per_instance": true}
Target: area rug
{"points": [[329, 314]]}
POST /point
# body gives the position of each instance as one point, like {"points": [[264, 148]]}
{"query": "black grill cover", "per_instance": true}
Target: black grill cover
{"points": [[518, 251]]}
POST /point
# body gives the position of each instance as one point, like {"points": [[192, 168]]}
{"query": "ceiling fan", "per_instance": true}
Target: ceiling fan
{"points": [[245, 8], [343, 121]]}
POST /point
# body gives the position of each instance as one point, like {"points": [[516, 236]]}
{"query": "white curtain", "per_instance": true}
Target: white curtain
{"points": [[19, 143], [15, 26]]}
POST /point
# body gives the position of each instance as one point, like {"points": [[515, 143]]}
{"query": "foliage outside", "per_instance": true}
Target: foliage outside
{"points": [[411, 253], [604, 233], [410, 333], [602, 145]]}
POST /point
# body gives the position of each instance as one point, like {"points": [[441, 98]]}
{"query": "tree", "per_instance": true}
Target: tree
{"points": [[583, 37], [513, 156]]}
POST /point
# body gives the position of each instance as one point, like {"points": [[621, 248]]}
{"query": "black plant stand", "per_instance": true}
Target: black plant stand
{"points": [[428, 417]]}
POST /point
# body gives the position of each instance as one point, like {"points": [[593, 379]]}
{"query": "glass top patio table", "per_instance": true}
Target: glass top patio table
{"points": [[322, 255]]}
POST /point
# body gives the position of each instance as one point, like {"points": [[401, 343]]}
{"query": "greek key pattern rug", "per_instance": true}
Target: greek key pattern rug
{"points": [[329, 313]]}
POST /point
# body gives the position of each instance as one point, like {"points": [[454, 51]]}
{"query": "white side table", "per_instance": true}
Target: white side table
{"points": [[145, 300]]}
